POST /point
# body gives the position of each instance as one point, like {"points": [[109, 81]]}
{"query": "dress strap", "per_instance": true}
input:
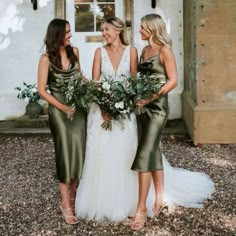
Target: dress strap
{"points": [[143, 51]]}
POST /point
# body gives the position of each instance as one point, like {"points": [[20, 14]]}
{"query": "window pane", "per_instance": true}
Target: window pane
{"points": [[104, 11], [84, 18]]}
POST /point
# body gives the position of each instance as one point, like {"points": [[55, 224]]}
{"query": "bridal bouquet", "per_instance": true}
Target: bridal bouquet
{"points": [[78, 92], [144, 87], [113, 99]]}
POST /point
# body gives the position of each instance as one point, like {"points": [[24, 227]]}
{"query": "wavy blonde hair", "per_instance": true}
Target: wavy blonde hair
{"points": [[118, 24], [155, 25]]}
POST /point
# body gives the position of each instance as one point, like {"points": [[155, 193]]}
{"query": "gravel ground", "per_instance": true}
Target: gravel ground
{"points": [[29, 196]]}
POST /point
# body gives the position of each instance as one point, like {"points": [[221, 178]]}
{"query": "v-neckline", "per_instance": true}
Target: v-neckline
{"points": [[121, 59]]}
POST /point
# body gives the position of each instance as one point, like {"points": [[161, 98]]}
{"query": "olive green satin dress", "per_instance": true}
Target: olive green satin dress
{"points": [[151, 123], [69, 136]]}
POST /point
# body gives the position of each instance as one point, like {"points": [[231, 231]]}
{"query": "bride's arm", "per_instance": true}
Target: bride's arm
{"points": [[133, 61], [96, 71]]}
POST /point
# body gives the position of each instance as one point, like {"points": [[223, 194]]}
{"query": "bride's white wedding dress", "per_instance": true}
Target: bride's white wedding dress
{"points": [[109, 188]]}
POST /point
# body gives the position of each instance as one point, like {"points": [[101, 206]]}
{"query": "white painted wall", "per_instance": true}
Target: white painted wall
{"points": [[22, 32], [172, 13]]}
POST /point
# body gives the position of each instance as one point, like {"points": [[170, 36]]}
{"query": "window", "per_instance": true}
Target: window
{"points": [[90, 14]]}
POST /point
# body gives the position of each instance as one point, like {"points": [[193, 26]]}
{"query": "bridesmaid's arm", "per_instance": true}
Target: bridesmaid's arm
{"points": [[133, 61], [42, 80], [96, 71], [168, 59]]}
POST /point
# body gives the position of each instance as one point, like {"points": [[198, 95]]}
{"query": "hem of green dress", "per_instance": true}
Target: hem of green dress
{"points": [[66, 181], [146, 170]]}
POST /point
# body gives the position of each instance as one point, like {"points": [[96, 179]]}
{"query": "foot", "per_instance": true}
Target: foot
{"points": [[69, 216], [158, 207], [127, 222], [139, 220]]}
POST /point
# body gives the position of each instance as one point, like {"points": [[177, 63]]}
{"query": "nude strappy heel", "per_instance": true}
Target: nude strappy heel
{"points": [[161, 208], [69, 218], [139, 222]]}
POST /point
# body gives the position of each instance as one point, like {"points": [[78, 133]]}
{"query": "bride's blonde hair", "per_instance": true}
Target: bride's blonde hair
{"points": [[155, 25], [118, 24]]}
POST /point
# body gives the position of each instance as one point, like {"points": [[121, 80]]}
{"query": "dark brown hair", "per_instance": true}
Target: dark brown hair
{"points": [[54, 39]]}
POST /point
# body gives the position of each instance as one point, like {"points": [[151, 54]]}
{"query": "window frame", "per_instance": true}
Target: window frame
{"points": [[95, 4]]}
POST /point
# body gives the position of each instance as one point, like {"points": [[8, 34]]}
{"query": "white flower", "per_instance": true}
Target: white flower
{"points": [[119, 105], [34, 90], [106, 85], [26, 100]]}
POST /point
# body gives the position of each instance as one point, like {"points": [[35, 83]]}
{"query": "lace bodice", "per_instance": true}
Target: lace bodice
{"points": [[123, 69]]}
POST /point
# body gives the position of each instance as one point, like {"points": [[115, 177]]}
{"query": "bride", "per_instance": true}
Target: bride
{"points": [[109, 188]]}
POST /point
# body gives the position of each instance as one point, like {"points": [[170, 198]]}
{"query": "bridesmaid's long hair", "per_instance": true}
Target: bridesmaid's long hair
{"points": [[54, 39], [155, 25], [118, 24]]}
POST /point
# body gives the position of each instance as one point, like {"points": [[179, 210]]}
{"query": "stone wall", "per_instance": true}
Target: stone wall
{"points": [[209, 97]]}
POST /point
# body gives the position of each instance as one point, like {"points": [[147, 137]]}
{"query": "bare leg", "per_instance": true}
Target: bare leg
{"points": [[73, 185], [144, 184], [158, 179], [141, 215], [65, 204], [64, 190]]}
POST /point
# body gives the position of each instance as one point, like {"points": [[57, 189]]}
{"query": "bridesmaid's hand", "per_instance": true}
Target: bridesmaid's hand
{"points": [[105, 116], [69, 111], [142, 102]]}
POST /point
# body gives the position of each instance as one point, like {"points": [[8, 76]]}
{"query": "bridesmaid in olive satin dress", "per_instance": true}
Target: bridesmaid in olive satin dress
{"points": [[157, 58], [62, 61]]}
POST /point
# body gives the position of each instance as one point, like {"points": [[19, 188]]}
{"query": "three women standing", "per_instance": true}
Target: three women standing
{"points": [[109, 187], [61, 60]]}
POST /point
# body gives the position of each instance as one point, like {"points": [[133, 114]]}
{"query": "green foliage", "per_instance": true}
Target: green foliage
{"points": [[29, 93], [78, 92]]}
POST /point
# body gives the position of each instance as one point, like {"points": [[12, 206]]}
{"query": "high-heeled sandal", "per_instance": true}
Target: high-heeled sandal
{"points": [[161, 208], [69, 218], [139, 222]]}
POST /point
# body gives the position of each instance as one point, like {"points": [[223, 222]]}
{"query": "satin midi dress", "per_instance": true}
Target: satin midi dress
{"points": [[152, 122], [69, 136]]}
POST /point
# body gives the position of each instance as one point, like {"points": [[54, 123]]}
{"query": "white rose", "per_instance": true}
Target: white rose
{"points": [[122, 105], [119, 105], [106, 85]]}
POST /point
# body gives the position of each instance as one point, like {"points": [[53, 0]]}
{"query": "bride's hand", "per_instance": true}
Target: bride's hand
{"points": [[105, 116]]}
